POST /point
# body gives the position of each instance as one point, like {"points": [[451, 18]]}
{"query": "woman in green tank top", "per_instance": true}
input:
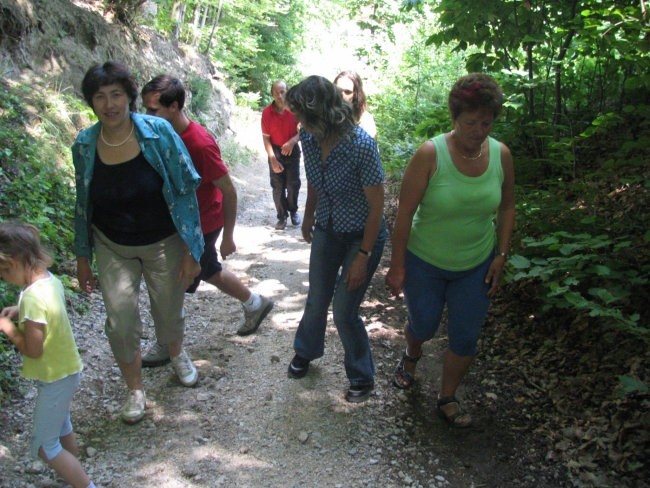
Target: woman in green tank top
{"points": [[452, 236]]}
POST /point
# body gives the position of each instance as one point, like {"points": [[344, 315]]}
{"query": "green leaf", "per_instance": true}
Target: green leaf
{"points": [[605, 295], [628, 385], [601, 270], [519, 262]]}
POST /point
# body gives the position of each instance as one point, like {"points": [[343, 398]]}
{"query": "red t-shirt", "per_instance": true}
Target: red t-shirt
{"points": [[206, 156], [281, 127]]}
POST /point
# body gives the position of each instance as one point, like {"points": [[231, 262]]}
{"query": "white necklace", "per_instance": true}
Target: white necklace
{"points": [[469, 158], [101, 134]]}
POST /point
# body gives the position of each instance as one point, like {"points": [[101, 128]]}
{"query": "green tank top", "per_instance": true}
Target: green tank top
{"points": [[454, 225]]}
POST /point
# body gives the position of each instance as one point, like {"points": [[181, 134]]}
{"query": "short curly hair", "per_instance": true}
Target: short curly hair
{"points": [[473, 92], [108, 73], [318, 105]]}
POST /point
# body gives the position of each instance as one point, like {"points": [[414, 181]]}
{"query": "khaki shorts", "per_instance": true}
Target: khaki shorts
{"points": [[121, 269]]}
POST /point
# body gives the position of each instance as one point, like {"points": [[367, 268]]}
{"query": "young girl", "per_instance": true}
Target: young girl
{"points": [[43, 336]]}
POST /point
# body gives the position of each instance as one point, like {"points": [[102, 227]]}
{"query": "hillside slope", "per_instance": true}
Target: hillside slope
{"points": [[51, 43]]}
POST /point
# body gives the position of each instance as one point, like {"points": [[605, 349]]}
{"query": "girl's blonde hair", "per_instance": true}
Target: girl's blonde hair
{"points": [[22, 242]]}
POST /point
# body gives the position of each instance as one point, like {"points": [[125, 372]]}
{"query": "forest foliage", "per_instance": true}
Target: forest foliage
{"points": [[577, 119]]}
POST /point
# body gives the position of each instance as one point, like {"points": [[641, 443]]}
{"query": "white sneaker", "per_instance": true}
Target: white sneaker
{"points": [[157, 355], [252, 320], [133, 409], [185, 370]]}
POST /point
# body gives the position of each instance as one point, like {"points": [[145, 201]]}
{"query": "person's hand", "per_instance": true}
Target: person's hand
{"points": [[307, 228], [493, 276], [395, 279], [276, 166], [357, 272], [10, 312], [287, 148], [85, 275], [227, 247], [6, 325], [190, 269]]}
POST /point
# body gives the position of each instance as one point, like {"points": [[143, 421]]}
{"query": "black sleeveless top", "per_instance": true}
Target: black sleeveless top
{"points": [[128, 203]]}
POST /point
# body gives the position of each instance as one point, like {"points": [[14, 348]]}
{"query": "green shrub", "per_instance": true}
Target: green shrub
{"points": [[35, 181], [200, 89], [583, 260]]}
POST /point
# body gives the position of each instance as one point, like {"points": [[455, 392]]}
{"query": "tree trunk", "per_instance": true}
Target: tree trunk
{"points": [[214, 28], [196, 24], [177, 14], [558, 71]]}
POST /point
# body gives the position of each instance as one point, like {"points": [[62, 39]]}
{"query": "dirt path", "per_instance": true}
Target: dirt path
{"points": [[246, 424]]}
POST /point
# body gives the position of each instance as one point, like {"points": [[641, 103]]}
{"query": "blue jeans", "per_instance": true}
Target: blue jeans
{"points": [[331, 256], [428, 288]]}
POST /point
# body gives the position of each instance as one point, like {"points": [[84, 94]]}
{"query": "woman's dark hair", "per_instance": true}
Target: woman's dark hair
{"points": [[359, 102], [106, 74], [171, 90], [318, 104], [473, 92], [22, 242]]}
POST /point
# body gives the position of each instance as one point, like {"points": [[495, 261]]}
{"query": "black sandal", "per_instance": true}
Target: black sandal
{"points": [[459, 419], [402, 379]]}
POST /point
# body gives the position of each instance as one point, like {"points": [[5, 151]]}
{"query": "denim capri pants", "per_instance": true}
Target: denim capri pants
{"points": [[428, 288], [52, 415], [121, 269]]}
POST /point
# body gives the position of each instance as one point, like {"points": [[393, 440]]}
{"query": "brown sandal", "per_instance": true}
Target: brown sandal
{"points": [[458, 419], [402, 379]]}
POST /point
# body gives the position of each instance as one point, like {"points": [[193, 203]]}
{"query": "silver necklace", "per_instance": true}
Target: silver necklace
{"points": [[469, 158], [101, 134]]}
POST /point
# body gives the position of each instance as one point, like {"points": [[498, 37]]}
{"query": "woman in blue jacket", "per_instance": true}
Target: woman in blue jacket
{"points": [[137, 210]]}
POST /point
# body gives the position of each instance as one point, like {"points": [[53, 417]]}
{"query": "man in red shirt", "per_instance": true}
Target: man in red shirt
{"points": [[280, 134], [164, 97]]}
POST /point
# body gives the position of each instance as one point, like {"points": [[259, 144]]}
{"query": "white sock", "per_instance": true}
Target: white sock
{"points": [[91, 485], [253, 302]]}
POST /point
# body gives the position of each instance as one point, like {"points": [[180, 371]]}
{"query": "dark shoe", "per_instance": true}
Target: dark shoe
{"points": [[359, 393], [282, 223], [298, 367], [295, 219]]}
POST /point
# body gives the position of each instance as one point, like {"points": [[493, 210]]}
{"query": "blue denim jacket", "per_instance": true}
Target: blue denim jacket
{"points": [[166, 153]]}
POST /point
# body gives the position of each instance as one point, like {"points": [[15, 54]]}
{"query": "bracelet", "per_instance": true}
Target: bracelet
{"points": [[505, 255], [364, 252]]}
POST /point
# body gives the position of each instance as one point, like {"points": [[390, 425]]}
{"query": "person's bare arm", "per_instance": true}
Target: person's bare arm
{"points": [[505, 221], [229, 210], [414, 184], [358, 270], [276, 166], [29, 342], [308, 218]]}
